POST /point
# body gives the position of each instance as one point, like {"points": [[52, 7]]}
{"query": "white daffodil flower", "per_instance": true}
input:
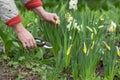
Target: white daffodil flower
{"points": [[68, 17], [112, 27], [74, 25], [70, 37], [73, 4], [69, 26], [78, 28]]}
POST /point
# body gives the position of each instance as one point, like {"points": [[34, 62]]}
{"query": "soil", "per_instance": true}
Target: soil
{"points": [[10, 73], [100, 69]]}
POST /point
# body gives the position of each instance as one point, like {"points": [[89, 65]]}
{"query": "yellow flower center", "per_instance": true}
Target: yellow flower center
{"points": [[57, 21]]}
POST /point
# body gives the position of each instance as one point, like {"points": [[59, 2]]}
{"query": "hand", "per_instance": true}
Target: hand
{"points": [[49, 17], [24, 36], [26, 39]]}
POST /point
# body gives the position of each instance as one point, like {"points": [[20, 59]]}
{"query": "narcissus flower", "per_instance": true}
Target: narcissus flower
{"points": [[69, 50], [93, 43], [92, 36], [57, 22], [90, 29], [107, 46], [73, 4], [101, 18], [69, 26], [29, 24], [36, 20], [112, 27], [95, 31], [78, 28], [74, 25], [70, 37], [101, 26], [68, 17], [118, 51], [85, 48]]}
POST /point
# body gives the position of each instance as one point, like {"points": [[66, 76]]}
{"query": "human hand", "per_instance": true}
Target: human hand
{"points": [[49, 17], [24, 36]]}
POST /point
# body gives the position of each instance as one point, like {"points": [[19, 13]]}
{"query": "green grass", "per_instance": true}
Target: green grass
{"points": [[69, 58]]}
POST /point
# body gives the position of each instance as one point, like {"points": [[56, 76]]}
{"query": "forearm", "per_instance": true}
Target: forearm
{"points": [[18, 27], [39, 11], [35, 5], [46, 16]]}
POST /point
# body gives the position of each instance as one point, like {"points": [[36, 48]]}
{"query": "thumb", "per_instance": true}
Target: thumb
{"points": [[55, 17]]}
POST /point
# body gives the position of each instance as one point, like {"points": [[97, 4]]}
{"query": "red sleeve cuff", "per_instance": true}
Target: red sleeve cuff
{"points": [[14, 20], [33, 3]]}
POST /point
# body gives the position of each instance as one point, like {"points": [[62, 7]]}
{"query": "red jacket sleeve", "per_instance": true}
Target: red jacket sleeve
{"points": [[9, 12], [33, 3]]}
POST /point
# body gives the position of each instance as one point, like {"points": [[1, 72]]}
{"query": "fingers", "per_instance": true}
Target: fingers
{"points": [[29, 44], [55, 16], [51, 17], [24, 45], [26, 39], [55, 20]]}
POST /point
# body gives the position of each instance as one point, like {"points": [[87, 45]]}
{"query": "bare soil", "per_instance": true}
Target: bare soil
{"points": [[10, 73]]}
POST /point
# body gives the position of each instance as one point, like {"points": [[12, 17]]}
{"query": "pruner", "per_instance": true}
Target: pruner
{"points": [[41, 43]]}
